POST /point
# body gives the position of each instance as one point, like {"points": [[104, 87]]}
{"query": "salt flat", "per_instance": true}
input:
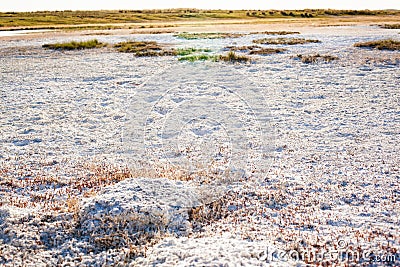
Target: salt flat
{"points": [[305, 156]]}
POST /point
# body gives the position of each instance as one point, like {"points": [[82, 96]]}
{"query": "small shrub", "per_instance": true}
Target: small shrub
{"points": [[233, 57], [284, 41], [316, 58], [387, 44], [73, 206], [75, 45]]}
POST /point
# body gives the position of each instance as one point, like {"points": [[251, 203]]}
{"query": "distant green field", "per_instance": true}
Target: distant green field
{"points": [[55, 19]]}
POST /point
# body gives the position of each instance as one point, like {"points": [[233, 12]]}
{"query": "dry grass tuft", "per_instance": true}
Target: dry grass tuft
{"points": [[266, 51], [275, 32], [212, 211], [390, 26], [208, 35], [73, 206], [316, 58], [284, 41], [244, 48], [256, 50], [74, 45], [384, 59], [57, 194], [97, 33], [387, 44], [137, 47], [232, 57], [143, 48], [152, 31], [63, 196]]}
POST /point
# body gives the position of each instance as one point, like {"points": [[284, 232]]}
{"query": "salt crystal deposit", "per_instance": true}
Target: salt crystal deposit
{"points": [[92, 144]]}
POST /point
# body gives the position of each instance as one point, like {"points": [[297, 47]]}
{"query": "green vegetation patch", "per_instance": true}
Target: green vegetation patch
{"points": [[200, 57], [387, 44], [189, 51], [284, 41], [208, 35], [69, 17], [74, 45], [315, 58], [231, 57]]}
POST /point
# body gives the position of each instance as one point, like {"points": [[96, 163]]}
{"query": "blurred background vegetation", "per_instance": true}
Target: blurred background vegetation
{"points": [[54, 19]]}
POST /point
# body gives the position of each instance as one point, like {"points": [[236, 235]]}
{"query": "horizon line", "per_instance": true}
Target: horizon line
{"points": [[199, 9]]}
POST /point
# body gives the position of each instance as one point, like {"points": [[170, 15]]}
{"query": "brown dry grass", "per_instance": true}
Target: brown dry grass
{"points": [[266, 51], [144, 48], [256, 50], [316, 58], [208, 35], [220, 25], [74, 45], [276, 32], [284, 41], [232, 57], [243, 48], [161, 31], [387, 44], [63, 197], [57, 194], [390, 26]]}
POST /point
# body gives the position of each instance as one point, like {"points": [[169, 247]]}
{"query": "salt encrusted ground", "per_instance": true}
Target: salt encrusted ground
{"points": [[134, 205], [332, 182]]}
